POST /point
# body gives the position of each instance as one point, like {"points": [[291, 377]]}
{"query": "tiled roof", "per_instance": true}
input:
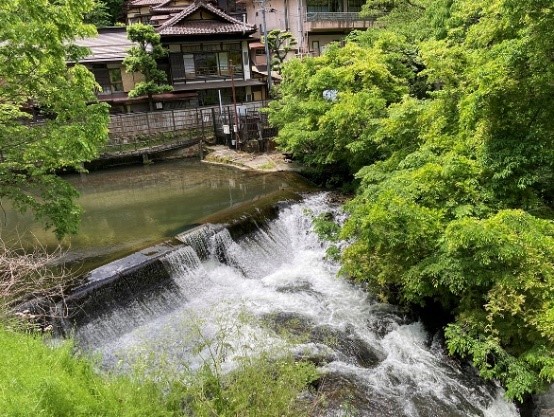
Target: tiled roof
{"points": [[179, 25], [165, 3], [203, 28], [167, 9], [146, 2], [110, 45]]}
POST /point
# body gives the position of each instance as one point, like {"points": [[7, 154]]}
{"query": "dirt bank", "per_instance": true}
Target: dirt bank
{"points": [[270, 161]]}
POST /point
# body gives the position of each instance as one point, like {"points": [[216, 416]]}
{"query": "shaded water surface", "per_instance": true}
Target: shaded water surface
{"points": [[129, 208], [275, 290]]}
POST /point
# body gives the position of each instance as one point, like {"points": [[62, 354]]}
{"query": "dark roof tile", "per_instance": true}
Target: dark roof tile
{"points": [[146, 2], [179, 25], [201, 28]]}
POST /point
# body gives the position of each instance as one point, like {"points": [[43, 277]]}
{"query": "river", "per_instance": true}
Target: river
{"points": [[275, 290], [130, 208]]}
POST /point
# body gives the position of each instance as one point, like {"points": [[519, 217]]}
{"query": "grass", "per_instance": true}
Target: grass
{"points": [[43, 381]]}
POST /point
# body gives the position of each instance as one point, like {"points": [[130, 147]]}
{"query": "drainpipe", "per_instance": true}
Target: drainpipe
{"points": [[267, 55], [287, 15], [301, 26], [236, 127]]}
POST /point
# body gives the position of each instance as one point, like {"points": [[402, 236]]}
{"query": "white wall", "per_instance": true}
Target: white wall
{"points": [[276, 17]]}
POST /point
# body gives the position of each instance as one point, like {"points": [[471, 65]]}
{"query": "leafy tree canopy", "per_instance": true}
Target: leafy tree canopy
{"points": [[35, 46], [142, 58], [279, 43], [341, 131], [456, 195], [105, 13]]}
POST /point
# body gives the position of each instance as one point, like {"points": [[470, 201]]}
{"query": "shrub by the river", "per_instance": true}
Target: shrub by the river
{"points": [[42, 381], [38, 380]]}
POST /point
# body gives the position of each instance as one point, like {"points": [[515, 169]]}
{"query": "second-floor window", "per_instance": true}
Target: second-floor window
{"points": [[205, 62]]}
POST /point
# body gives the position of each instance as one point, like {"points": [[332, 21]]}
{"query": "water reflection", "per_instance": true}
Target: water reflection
{"points": [[129, 208]]}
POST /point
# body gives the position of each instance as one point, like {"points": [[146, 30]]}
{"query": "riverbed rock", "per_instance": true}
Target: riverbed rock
{"points": [[544, 404], [346, 344]]}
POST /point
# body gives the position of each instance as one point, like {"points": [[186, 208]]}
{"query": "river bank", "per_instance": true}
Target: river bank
{"points": [[270, 161]]}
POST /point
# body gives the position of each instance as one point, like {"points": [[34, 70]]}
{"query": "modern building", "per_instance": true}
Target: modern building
{"points": [[313, 23]]}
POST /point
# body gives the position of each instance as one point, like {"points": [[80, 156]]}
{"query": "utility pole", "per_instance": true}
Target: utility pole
{"points": [[236, 126], [267, 55]]}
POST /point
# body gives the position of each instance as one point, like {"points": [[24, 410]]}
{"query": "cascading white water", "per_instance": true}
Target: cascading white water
{"points": [[248, 294]]}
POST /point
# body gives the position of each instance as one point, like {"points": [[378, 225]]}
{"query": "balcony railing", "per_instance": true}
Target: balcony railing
{"points": [[334, 16]]}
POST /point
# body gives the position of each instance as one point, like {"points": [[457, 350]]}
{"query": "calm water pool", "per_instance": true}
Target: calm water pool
{"points": [[129, 208]]}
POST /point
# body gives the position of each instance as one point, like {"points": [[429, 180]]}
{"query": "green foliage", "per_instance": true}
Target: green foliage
{"points": [[42, 381], [142, 58], [456, 195], [415, 19], [35, 44], [324, 132], [279, 43], [449, 219], [326, 227], [267, 383], [105, 13], [45, 381], [260, 386]]}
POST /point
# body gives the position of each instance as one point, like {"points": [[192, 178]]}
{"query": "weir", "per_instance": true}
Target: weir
{"points": [[273, 290]]}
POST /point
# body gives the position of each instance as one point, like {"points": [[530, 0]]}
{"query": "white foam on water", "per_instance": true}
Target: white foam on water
{"points": [[281, 272]]}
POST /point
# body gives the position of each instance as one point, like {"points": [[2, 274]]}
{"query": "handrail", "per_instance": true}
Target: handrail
{"points": [[334, 16]]}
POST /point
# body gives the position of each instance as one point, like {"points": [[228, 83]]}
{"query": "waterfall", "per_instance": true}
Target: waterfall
{"points": [[275, 290]]}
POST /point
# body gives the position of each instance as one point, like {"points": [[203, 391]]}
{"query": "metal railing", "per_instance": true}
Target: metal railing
{"points": [[137, 132], [334, 16]]}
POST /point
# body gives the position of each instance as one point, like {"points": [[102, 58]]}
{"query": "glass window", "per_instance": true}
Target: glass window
{"points": [[116, 82], [232, 47], [192, 47], [236, 58], [223, 58], [205, 64], [190, 72], [109, 78], [211, 47]]}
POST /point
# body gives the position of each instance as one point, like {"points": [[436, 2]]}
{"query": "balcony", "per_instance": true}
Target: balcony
{"points": [[335, 21]]}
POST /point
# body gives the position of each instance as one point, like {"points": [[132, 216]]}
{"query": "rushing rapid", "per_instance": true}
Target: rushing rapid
{"points": [[275, 290]]}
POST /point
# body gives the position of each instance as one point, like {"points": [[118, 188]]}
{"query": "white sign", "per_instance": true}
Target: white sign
{"points": [[330, 95]]}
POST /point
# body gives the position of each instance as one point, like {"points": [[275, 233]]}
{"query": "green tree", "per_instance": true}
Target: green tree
{"points": [[465, 218], [455, 203], [35, 45], [341, 135], [142, 58], [99, 16], [279, 44], [105, 13]]}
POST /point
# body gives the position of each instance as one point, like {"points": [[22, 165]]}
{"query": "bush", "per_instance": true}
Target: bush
{"points": [[42, 381], [38, 380]]}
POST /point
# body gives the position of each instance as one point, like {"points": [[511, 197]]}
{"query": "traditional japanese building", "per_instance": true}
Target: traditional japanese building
{"points": [[208, 57], [208, 53]]}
